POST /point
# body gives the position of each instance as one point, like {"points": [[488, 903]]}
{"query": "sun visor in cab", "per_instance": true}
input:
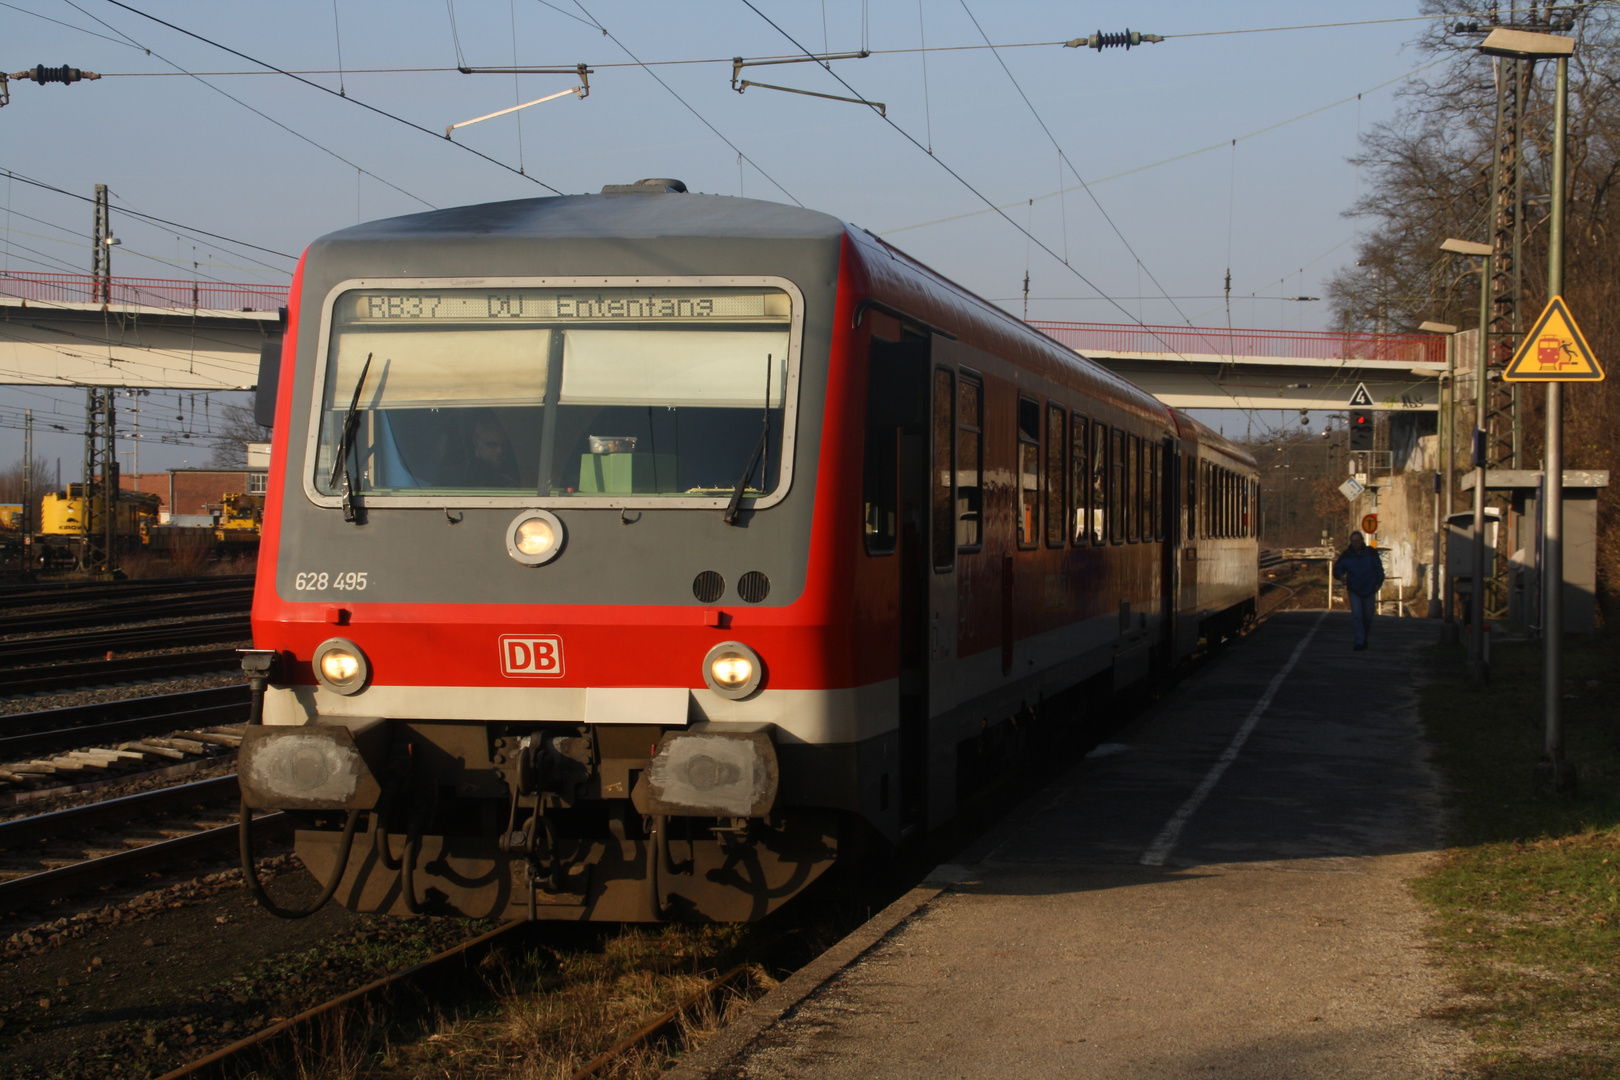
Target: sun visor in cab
{"points": [[264, 400]]}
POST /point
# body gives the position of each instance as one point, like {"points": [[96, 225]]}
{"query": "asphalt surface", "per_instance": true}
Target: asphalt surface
{"points": [[1224, 892]]}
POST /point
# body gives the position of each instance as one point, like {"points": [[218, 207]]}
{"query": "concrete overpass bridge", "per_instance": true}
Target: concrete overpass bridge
{"points": [[1204, 368], [77, 330]]}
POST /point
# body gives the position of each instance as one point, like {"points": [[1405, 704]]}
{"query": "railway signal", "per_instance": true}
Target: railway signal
{"points": [[1361, 429]]}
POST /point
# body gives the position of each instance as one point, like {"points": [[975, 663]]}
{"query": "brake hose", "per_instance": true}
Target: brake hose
{"points": [[250, 873]]}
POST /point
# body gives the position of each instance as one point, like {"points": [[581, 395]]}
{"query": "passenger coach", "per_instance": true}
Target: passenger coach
{"points": [[626, 554]]}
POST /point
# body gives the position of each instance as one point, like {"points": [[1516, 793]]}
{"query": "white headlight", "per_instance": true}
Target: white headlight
{"points": [[733, 670], [534, 537], [340, 666]]}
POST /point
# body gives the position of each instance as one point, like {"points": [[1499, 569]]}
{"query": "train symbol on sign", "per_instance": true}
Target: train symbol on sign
{"points": [[531, 657], [1555, 353]]}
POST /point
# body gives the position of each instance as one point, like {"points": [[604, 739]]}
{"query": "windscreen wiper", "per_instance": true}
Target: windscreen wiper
{"points": [[764, 441], [353, 510]]}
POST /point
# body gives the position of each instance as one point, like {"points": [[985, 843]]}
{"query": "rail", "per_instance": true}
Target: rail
{"points": [[1132, 338], [142, 292]]}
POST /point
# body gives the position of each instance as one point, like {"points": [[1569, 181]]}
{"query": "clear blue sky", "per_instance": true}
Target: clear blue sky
{"points": [[1150, 131]]}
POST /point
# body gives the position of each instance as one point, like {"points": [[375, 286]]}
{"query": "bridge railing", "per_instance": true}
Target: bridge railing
{"points": [[145, 292], [1113, 338]]}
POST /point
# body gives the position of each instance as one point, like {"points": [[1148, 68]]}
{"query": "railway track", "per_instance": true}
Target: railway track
{"points": [[217, 601], [115, 721], [200, 630], [79, 674], [78, 592], [70, 852]]}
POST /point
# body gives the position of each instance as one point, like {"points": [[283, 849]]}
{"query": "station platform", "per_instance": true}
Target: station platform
{"points": [[1222, 892]]}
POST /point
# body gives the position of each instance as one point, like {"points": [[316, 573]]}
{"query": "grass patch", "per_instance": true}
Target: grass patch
{"points": [[1526, 902]]}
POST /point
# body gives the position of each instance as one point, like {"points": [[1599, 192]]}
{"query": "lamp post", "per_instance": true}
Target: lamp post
{"points": [[1476, 587], [1560, 774], [1446, 428]]}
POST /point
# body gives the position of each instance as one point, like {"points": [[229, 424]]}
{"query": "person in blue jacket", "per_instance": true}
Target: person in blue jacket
{"points": [[1363, 575]]}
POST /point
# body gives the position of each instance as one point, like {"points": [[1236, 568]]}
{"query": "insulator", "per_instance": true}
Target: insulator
{"points": [[64, 74], [1101, 41]]}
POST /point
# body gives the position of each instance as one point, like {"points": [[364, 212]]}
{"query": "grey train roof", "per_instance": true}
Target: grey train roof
{"points": [[638, 216]]}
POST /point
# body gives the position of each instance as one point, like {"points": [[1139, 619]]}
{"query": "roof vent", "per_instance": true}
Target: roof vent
{"points": [[658, 185]]}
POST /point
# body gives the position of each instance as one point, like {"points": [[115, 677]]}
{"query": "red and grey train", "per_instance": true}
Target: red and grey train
{"points": [[625, 553]]}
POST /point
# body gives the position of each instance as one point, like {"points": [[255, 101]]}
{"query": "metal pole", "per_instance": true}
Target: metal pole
{"points": [[1552, 584], [26, 525], [109, 484], [1450, 414], [1434, 562], [1476, 589]]}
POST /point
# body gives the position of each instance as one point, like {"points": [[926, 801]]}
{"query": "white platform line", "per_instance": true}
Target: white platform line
{"points": [[1165, 842]]}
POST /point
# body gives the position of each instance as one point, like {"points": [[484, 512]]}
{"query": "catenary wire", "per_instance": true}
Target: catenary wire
{"points": [[964, 182], [611, 37], [184, 229], [328, 90], [1223, 144], [1064, 158], [257, 112]]}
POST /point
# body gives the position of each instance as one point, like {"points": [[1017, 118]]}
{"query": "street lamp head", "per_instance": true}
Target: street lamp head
{"points": [[1437, 328], [1465, 247], [1525, 45]]}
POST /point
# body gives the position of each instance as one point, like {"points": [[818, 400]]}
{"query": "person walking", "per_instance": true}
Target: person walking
{"points": [[1362, 572]]}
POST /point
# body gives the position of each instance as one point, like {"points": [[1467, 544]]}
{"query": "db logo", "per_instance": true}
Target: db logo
{"points": [[531, 657]]}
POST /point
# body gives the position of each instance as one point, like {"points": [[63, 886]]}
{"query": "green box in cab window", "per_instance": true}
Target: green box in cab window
{"points": [[626, 474]]}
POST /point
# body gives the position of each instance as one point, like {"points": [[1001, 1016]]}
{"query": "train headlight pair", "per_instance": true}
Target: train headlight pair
{"points": [[732, 670], [534, 537], [340, 666]]}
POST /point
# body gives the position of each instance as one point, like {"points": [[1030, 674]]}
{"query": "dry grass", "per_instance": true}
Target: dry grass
{"points": [[193, 557], [1526, 905], [549, 1012]]}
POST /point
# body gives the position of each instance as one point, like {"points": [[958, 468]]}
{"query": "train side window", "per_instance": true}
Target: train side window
{"points": [[1189, 463], [1151, 529], [1029, 472], [1133, 489], [942, 497], [1226, 504], [879, 490], [1099, 480], [1206, 487], [1156, 507], [969, 463], [1234, 524], [1079, 479], [1057, 515], [1118, 500]]}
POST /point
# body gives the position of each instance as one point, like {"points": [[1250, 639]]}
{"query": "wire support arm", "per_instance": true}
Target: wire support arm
{"points": [[738, 63], [882, 110]]}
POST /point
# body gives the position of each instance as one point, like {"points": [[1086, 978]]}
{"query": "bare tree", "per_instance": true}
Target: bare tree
{"points": [[11, 482], [1430, 177], [236, 429]]}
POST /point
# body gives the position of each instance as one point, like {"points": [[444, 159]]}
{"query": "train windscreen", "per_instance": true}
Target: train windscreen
{"points": [[557, 392]]}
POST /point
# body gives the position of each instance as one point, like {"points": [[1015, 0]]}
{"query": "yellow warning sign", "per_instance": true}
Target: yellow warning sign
{"points": [[1554, 351]]}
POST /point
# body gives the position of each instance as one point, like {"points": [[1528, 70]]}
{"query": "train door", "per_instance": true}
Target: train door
{"points": [[899, 416]]}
